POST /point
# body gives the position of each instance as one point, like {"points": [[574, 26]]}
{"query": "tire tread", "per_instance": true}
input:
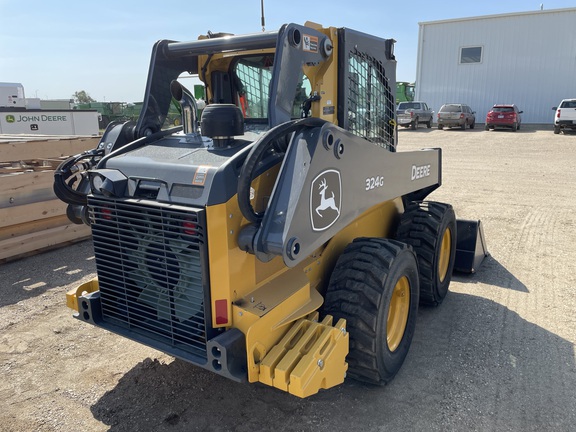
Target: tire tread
{"points": [[355, 294]]}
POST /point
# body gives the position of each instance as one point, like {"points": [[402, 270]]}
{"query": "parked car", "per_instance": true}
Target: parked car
{"points": [[411, 114], [501, 115], [565, 117], [456, 114]]}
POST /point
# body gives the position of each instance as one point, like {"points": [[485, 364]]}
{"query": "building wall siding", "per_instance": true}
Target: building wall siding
{"points": [[528, 59]]}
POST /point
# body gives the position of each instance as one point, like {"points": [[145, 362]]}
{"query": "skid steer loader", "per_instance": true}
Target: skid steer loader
{"points": [[280, 238]]}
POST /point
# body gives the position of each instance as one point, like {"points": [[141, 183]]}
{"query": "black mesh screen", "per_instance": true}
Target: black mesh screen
{"points": [[370, 100], [149, 260]]}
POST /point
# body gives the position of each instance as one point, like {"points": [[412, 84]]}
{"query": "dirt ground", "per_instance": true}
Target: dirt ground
{"points": [[497, 355]]}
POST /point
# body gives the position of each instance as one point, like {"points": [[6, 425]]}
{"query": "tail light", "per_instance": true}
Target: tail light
{"points": [[221, 307], [411, 114], [558, 114], [462, 115]]}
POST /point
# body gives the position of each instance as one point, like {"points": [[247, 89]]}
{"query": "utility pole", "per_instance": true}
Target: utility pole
{"points": [[262, 11]]}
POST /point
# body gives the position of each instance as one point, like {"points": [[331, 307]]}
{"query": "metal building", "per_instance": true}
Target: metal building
{"points": [[526, 58]]}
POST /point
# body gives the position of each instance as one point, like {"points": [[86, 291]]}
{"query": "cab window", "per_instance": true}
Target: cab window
{"points": [[252, 81]]}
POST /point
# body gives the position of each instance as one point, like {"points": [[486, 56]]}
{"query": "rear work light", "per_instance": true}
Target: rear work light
{"points": [[189, 228], [106, 213]]}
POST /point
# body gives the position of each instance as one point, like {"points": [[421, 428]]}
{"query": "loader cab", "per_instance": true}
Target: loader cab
{"points": [[339, 75], [246, 84]]}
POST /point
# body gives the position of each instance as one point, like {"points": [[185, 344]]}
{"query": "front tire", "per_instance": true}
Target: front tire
{"points": [[375, 287], [430, 228]]}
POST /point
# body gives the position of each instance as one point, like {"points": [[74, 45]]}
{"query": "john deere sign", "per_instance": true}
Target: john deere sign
{"points": [[37, 118], [49, 122]]}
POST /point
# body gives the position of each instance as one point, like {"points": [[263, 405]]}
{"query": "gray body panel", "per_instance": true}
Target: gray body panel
{"points": [[368, 175]]}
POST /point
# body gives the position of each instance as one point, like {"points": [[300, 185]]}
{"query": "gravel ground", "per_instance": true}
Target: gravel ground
{"points": [[497, 355]]}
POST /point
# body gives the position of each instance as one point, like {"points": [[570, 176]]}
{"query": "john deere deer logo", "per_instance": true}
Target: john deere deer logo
{"points": [[10, 119], [326, 203], [325, 200]]}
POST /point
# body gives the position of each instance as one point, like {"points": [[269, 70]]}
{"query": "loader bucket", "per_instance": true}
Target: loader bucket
{"points": [[470, 246]]}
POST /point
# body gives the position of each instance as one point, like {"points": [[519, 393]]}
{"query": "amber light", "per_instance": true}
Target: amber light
{"points": [[221, 307]]}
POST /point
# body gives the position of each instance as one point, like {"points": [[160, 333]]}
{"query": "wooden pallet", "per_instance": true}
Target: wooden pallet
{"points": [[31, 217]]}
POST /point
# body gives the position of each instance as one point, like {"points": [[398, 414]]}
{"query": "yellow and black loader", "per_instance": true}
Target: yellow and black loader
{"points": [[279, 237]]}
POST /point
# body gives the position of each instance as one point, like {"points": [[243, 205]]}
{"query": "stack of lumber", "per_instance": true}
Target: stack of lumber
{"points": [[31, 217]]}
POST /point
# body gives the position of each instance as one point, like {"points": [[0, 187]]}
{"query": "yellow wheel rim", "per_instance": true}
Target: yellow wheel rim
{"points": [[398, 313], [445, 249]]}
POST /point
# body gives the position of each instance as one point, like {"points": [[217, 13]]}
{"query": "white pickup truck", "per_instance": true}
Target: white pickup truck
{"points": [[565, 117], [411, 114]]}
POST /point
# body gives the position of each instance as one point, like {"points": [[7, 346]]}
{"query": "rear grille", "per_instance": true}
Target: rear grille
{"points": [[151, 268]]}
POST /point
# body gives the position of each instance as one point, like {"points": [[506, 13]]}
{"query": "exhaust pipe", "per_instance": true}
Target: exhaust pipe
{"points": [[188, 106]]}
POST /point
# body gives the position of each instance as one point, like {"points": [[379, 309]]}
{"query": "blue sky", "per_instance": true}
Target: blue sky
{"points": [[57, 47]]}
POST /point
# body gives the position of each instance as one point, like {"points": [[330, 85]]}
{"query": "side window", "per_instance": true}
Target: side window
{"points": [[303, 91], [471, 54], [370, 101]]}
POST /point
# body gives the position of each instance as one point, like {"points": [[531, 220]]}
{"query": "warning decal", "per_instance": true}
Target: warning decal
{"points": [[200, 175], [310, 43]]}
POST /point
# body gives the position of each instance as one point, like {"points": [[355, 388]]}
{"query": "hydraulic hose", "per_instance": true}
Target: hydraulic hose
{"points": [[258, 150], [66, 178]]}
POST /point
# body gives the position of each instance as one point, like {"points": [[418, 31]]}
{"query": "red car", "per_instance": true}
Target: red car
{"points": [[503, 116]]}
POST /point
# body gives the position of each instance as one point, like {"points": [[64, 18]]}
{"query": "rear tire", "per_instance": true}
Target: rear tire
{"points": [[556, 130], [375, 287], [463, 125], [440, 126], [430, 228], [415, 124], [486, 128], [473, 125]]}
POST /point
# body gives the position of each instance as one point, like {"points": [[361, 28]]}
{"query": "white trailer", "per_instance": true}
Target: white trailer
{"points": [[40, 122], [12, 95]]}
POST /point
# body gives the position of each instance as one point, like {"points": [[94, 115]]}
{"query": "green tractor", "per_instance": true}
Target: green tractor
{"points": [[404, 92]]}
